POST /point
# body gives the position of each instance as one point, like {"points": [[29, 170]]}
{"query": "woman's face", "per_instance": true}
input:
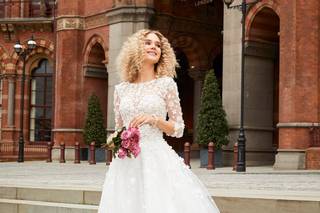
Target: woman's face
{"points": [[152, 48]]}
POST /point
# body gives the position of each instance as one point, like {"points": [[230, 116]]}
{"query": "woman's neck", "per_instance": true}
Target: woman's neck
{"points": [[146, 74]]}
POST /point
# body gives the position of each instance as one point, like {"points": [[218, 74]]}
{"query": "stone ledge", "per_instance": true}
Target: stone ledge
{"points": [[21, 206], [313, 158], [254, 205]]}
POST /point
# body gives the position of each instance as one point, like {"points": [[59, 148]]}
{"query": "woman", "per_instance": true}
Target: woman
{"points": [[157, 181]]}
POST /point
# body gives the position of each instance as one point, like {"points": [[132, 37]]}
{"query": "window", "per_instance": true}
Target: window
{"points": [[2, 9], [41, 102], [41, 8]]}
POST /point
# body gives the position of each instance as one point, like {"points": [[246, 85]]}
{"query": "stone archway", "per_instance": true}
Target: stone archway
{"points": [[262, 87], [95, 76], [185, 83], [194, 63]]}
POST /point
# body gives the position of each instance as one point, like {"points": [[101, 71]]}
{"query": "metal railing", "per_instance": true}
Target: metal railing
{"points": [[27, 9], [10, 150]]}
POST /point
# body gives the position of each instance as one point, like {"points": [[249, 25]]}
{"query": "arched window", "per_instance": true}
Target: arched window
{"points": [[41, 102]]}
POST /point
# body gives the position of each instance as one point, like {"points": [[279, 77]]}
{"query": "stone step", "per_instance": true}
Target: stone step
{"points": [[47, 194], [27, 206], [266, 205], [20, 199]]}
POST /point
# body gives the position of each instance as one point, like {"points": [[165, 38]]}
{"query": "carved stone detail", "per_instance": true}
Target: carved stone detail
{"points": [[95, 21], [129, 14], [70, 23]]}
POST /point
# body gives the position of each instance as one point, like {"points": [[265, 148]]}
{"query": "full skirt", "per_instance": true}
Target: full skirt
{"points": [[157, 181]]}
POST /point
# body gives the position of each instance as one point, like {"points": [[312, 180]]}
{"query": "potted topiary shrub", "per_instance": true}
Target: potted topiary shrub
{"points": [[212, 124], [94, 129]]}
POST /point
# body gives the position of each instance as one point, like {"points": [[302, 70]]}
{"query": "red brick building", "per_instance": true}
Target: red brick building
{"points": [[78, 41]]}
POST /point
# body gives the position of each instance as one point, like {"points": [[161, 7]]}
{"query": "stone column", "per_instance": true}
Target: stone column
{"points": [[198, 77], [258, 92], [11, 109], [123, 20], [67, 125], [299, 81], [9, 128], [231, 75]]}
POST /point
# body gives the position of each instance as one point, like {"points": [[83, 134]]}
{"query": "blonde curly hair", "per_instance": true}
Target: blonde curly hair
{"points": [[131, 56]]}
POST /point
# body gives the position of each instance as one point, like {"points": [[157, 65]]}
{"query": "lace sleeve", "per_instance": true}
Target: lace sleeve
{"points": [[174, 109], [116, 104]]}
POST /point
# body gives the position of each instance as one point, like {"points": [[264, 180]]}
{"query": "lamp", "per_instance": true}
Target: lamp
{"points": [[23, 53], [241, 161], [228, 2]]}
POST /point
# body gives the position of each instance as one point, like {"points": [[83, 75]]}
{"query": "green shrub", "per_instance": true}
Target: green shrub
{"points": [[212, 124], [94, 129]]}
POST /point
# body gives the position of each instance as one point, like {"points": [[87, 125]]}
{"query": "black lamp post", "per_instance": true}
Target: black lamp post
{"points": [[241, 161], [23, 53]]}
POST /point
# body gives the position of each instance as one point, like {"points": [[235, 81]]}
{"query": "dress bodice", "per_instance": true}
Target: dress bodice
{"points": [[156, 97]]}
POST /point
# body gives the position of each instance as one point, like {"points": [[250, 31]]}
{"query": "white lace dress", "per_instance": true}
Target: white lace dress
{"points": [[157, 181]]}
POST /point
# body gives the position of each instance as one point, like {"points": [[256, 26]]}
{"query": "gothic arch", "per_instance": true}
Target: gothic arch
{"points": [[273, 5], [44, 49], [195, 53], [91, 43]]}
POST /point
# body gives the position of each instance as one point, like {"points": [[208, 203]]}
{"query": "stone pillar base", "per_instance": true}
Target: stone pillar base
{"points": [[313, 158], [290, 159], [69, 154], [253, 158]]}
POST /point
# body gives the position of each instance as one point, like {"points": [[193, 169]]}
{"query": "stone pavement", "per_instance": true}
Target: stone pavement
{"points": [[257, 182]]}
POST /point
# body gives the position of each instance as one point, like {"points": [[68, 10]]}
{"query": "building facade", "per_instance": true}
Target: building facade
{"points": [[78, 41]]}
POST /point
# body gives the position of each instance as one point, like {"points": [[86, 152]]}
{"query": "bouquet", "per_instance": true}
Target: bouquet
{"points": [[124, 142]]}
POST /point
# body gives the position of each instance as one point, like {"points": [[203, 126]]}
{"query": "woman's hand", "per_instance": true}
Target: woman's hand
{"points": [[142, 119]]}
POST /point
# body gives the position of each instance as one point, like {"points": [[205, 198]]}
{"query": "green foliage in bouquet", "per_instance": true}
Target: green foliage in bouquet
{"points": [[94, 129], [114, 141], [212, 123]]}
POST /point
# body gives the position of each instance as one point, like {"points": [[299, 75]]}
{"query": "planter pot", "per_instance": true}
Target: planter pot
{"points": [[84, 153], [181, 154], [204, 158], [100, 155]]}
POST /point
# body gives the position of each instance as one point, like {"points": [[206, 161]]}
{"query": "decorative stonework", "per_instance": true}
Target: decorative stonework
{"points": [[8, 76], [95, 21], [8, 31], [129, 14], [81, 23], [70, 23]]}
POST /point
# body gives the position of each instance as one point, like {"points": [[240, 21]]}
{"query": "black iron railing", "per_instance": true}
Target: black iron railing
{"points": [[27, 8], [9, 149]]}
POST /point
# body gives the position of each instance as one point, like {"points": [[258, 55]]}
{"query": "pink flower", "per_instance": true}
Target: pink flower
{"points": [[136, 151], [125, 135], [122, 153], [129, 143], [125, 143]]}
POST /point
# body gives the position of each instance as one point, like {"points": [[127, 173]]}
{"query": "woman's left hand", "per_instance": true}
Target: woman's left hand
{"points": [[140, 120]]}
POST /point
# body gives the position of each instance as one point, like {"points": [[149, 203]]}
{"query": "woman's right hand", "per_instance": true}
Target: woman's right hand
{"points": [[142, 119]]}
